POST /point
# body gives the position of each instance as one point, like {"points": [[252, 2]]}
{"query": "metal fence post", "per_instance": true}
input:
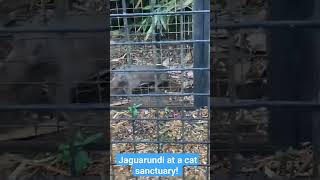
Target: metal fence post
{"points": [[107, 122], [201, 51]]}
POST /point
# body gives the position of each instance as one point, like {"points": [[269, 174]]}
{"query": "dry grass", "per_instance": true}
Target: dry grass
{"points": [[169, 131]]}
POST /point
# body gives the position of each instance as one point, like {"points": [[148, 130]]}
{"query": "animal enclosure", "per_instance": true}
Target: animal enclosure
{"points": [[54, 60], [264, 124], [60, 91], [160, 81]]}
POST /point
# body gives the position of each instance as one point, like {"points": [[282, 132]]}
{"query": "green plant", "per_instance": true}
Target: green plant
{"points": [[134, 110], [148, 26], [137, 3], [81, 157]]}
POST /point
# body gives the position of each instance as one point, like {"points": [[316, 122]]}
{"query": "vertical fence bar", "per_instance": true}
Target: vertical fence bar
{"points": [[107, 122], [127, 31], [212, 90], [316, 145], [201, 51]]}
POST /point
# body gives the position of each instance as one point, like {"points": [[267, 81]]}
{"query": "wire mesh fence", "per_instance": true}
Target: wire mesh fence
{"points": [[241, 119], [158, 74], [152, 56], [43, 69]]}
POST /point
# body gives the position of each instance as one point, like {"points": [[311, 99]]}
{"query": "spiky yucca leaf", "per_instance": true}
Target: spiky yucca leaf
{"points": [[148, 26]]}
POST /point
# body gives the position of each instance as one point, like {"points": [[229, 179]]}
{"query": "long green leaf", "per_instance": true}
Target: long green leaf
{"points": [[156, 21], [138, 4], [82, 161], [91, 139], [146, 24], [163, 22], [149, 7], [149, 32]]}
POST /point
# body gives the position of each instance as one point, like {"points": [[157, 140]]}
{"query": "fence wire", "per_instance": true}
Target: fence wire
{"points": [[149, 45], [173, 48]]}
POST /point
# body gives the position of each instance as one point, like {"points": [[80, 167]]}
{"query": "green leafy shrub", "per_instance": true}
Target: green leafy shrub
{"points": [[81, 157]]}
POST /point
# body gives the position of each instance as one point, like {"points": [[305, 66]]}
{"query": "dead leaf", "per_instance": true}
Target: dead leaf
{"points": [[269, 172], [19, 170], [188, 58], [240, 71], [238, 39], [118, 59], [166, 62], [189, 74], [257, 42], [120, 103]]}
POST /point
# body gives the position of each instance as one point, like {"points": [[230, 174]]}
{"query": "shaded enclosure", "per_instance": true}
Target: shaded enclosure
{"points": [[265, 75], [54, 50]]}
